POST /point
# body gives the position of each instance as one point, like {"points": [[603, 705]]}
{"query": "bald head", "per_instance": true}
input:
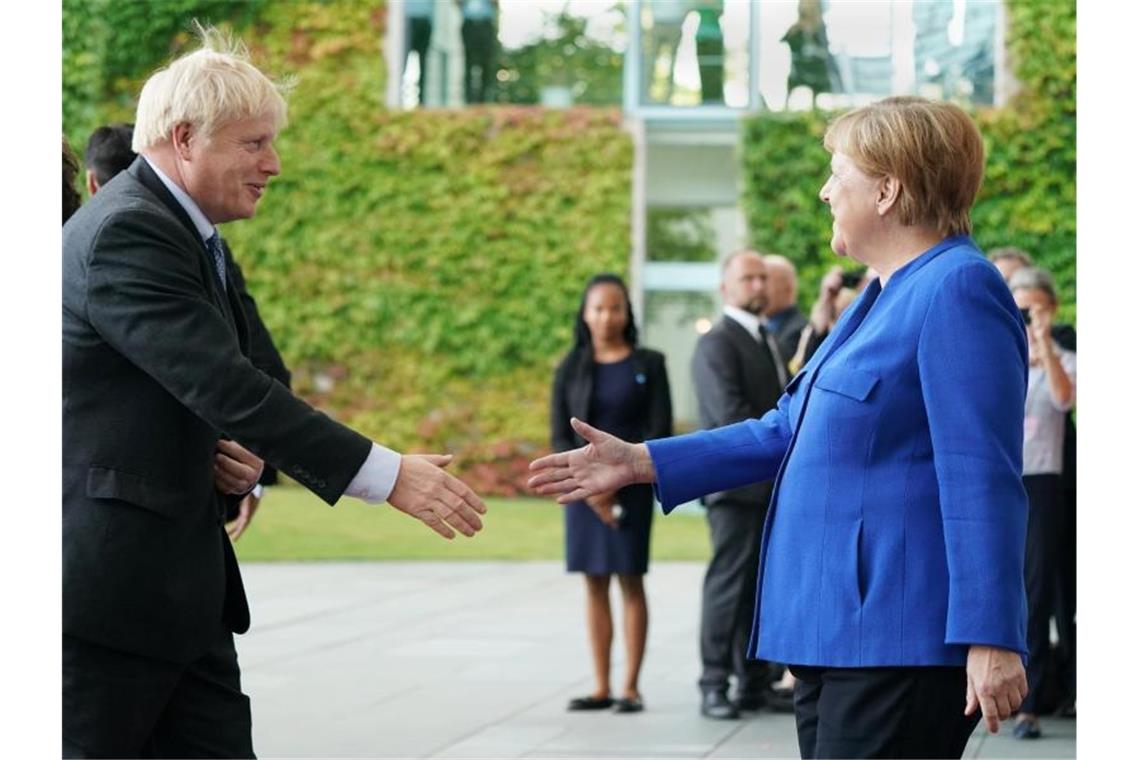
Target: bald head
{"points": [[744, 282], [781, 284]]}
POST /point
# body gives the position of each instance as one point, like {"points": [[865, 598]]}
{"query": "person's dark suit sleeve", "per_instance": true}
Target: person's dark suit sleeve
{"points": [[660, 402], [146, 298], [262, 350], [718, 382], [561, 434]]}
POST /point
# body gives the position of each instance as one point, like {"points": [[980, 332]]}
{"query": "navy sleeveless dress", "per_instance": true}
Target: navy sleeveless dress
{"points": [[591, 546]]}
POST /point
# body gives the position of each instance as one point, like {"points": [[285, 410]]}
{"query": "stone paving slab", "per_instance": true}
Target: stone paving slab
{"points": [[478, 660]]}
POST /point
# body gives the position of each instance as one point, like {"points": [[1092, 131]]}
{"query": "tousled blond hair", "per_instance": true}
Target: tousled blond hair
{"points": [[207, 88], [933, 148]]}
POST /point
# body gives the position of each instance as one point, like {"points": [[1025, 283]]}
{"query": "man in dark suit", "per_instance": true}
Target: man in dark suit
{"points": [[156, 379], [108, 153], [785, 320], [738, 374]]}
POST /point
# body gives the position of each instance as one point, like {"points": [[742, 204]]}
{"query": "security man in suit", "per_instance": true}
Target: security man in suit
{"points": [[156, 379], [738, 374]]}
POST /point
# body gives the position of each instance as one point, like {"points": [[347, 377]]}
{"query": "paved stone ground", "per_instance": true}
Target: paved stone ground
{"points": [[458, 660]]}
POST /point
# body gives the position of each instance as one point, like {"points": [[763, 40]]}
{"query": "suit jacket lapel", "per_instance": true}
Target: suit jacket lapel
{"points": [[141, 170]]}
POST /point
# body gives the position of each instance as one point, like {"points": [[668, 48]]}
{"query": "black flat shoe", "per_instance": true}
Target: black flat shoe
{"points": [[590, 703], [628, 705]]}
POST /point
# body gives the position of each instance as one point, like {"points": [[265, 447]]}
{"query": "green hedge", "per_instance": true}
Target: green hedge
{"points": [[1028, 196], [420, 271]]}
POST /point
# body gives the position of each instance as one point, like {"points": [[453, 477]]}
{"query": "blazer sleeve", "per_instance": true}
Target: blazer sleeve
{"points": [[707, 461], [972, 364], [561, 434], [262, 350], [718, 382], [146, 298], [660, 421]]}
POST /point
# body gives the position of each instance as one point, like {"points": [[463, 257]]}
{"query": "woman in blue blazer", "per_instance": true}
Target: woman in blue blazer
{"points": [[892, 556]]}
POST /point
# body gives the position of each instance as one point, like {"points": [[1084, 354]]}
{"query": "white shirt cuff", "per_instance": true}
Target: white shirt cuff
{"points": [[377, 476], [258, 490]]}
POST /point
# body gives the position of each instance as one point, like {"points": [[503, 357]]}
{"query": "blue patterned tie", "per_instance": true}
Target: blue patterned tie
{"points": [[214, 244]]}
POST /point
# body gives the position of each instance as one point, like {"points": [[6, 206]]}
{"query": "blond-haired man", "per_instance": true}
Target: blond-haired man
{"points": [[156, 376]]}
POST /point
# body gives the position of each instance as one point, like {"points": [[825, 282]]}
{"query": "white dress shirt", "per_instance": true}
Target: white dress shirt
{"points": [[752, 323]]}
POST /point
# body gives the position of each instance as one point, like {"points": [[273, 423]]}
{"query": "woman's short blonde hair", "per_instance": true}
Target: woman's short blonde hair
{"points": [[207, 88], [932, 148]]}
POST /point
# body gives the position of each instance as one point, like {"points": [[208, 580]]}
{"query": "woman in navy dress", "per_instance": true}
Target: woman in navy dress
{"points": [[623, 390]]}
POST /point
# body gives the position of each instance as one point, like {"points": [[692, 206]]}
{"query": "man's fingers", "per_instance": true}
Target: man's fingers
{"points": [[234, 468], [1022, 685], [458, 513], [1003, 707], [235, 450], [464, 492], [556, 488], [439, 460], [431, 519]]}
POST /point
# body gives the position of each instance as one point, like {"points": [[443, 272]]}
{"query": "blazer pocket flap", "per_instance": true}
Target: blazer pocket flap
{"points": [[106, 483], [846, 381]]}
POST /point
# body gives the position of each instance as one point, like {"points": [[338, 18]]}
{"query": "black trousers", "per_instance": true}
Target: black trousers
{"points": [[419, 38], [728, 604], [882, 712], [117, 704], [479, 42], [1042, 575]]}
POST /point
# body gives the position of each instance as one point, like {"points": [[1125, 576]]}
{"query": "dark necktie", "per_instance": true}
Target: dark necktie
{"points": [[214, 245], [767, 340]]}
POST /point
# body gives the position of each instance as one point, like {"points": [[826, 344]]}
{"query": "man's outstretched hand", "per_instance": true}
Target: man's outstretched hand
{"points": [[604, 464], [436, 498]]}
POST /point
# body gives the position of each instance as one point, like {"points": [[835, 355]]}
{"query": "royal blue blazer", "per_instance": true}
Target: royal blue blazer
{"points": [[896, 531]]}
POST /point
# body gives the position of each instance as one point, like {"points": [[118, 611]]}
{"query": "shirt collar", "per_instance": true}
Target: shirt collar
{"points": [[750, 322], [205, 228]]}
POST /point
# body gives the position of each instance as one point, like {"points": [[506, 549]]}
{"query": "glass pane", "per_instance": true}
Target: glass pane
{"points": [[553, 52], [695, 52], [832, 54], [673, 323], [680, 234]]}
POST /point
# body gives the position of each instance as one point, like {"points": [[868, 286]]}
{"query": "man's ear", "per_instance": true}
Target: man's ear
{"points": [[889, 191], [181, 137], [92, 183]]}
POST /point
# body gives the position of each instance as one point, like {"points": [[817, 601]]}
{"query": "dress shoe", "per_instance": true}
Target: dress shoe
{"points": [[1027, 729], [590, 703], [750, 702], [715, 704]]}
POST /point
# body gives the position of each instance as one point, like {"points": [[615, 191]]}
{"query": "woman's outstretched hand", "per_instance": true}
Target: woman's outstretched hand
{"points": [[604, 464]]}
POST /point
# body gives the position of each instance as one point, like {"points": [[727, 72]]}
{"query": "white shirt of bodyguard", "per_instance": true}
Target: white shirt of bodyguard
{"points": [[752, 323], [377, 476]]}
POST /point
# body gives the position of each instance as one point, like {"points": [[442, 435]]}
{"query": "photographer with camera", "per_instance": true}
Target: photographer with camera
{"points": [[837, 291], [1049, 397]]}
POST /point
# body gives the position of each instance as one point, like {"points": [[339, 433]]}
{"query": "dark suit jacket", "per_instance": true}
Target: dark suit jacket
{"points": [[788, 336], [573, 390], [155, 371], [735, 377], [263, 351]]}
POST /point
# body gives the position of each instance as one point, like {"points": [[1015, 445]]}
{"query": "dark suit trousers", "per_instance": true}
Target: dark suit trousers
{"points": [[882, 712], [117, 704], [728, 604]]}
